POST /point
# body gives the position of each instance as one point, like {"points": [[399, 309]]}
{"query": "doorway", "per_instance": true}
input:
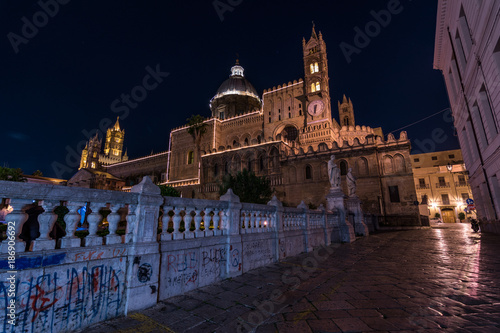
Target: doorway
{"points": [[448, 215]]}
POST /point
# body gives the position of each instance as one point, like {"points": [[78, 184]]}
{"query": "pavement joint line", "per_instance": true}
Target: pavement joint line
{"points": [[302, 266], [148, 325]]}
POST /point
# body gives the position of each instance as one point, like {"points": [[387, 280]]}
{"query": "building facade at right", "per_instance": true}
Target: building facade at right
{"points": [[467, 51]]}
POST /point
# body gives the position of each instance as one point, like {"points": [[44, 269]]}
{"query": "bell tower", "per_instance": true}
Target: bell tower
{"points": [[318, 123], [346, 113], [113, 147], [316, 78]]}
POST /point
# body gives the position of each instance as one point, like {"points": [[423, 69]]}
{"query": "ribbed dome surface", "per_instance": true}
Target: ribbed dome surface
{"points": [[236, 85]]}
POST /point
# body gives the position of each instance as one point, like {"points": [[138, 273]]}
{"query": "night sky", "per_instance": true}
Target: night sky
{"points": [[64, 78]]}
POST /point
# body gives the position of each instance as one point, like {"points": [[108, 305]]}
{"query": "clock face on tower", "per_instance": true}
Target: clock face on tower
{"points": [[316, 108]]}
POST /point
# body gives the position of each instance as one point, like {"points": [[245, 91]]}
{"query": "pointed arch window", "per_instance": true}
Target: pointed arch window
{"points": [[313, 87], [343, 168], [308, 172], [318, 86]]}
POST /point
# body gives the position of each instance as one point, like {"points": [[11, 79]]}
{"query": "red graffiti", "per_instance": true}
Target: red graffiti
{"points": [[95, 279], [118, 252], [86, 256], [40, 296]]}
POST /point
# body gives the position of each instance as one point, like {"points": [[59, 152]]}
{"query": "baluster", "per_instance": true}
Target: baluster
{"points": [[187, 223], [16, 218], [243, 224], [93, 219], [223, 224], [71, 219], [113, 219], [247, 222], [165, 221], [46, 222], [252, 222], [216, 230], [177, 224], [257, 222], [197, 224], [131, 224], [206, 222]]}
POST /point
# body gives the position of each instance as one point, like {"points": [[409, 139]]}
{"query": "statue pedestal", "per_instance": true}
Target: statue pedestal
{"points": [[354, 206], [335, 202]]}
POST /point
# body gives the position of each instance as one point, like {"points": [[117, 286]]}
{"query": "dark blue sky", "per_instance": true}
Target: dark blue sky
{"points": [[64, 77]]}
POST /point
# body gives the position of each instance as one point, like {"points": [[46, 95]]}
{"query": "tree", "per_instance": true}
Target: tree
{"points": [[197, 128], [15, 175], [461, 216], [169, 191], [37, 173], [249, 187]]}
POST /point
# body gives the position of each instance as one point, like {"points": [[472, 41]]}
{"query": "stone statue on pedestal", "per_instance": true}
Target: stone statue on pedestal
{"points": [[351, 183], [333, 173]]}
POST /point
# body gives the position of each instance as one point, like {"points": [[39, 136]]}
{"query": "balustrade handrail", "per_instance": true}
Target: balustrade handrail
{"points": [[183, 202], [257, 207], [33, 191], [293, 210]]}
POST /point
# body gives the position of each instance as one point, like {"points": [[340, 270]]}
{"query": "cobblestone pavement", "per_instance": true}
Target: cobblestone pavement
{"points": [[444, 279]]}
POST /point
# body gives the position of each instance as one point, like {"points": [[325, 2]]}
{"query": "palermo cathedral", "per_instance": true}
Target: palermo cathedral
{"points": [[288, 134]]}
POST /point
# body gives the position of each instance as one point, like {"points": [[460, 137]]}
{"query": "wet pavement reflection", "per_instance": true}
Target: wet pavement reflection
{"points": [[442, 279]]}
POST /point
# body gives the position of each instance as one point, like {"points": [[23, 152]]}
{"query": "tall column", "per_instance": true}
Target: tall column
{"points": [[231, 225], [278, 232], [143, 253]]}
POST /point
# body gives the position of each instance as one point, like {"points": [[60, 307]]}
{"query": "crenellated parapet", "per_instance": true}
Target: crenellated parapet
{"points": [[351, 138]]}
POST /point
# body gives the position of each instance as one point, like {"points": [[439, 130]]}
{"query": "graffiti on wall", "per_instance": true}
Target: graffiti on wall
{"points": [[66, 299]]}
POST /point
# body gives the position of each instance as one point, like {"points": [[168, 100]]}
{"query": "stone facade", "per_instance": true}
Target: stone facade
{"points": [[442, 184], [467, 52], [133, 170], [287, 135], [290, 139]]}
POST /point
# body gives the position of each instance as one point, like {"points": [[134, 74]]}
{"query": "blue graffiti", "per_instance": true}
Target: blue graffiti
{"points": [[35, 262]]}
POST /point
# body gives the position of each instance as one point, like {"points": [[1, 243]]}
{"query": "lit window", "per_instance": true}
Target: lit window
{"points": [[92, 165], [318, 86], [314, 68], [313, 87], [117, 140], [191, 157]]}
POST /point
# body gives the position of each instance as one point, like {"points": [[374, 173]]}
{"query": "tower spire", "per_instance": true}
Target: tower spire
{"points": [[314, 31], [117, 124]]}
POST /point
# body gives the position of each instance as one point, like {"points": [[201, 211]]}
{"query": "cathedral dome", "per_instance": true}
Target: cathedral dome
{"points": [[235, 96]]}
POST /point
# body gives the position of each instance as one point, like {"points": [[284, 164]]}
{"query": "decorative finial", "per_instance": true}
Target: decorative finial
{"points": [[237, 59]]}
